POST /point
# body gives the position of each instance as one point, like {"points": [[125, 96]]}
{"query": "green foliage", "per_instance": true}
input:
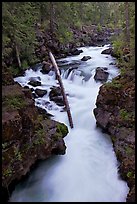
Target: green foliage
{"points": [[7, 172], [124, 114], [15, 70], [40, 137], [15, 102], [99, 28], [25, 64], [123, 71], [61, 128], [61, 131], [4, 145], [18, 19], [130, 174], [18, 154], [114, 84], [64, 35], [129, 150], [118, 47]]}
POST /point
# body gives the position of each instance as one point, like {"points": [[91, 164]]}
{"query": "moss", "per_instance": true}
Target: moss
{"points": [[130, 174], [62, 129], [114, 84], [18, 154], [123, 71], [124, 114], [7, 172], [15, 102], [129, 150], [40, 133], [113, 138], [40, 118]]}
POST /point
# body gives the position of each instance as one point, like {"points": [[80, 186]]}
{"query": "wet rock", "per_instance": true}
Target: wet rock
{"points": [[85, 58], [55, 91], [44, 113], [58, 100], [34, 81], [102, 117], [75, 51], [70, 70], [107, 51], [40, 92], [36, 66], [46, 68], [56, 96], [112, 63], [101, 74]]}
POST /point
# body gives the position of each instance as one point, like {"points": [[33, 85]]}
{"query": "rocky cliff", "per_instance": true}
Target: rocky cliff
{"points": [[115, 114], [28, 135]]}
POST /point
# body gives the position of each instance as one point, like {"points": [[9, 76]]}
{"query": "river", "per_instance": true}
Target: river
{"points": [[88, 172]]}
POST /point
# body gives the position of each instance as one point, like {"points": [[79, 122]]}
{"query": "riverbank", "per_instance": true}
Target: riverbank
{"points": [[115, 114], [28, 134]]}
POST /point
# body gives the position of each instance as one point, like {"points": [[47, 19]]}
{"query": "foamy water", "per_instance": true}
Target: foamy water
{"points": [[88, 172]]}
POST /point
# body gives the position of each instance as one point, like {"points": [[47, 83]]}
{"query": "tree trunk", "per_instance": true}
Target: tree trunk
{"points": [[81, 11], [52, 17], [17, 55], [127, 24], [62, 88]]}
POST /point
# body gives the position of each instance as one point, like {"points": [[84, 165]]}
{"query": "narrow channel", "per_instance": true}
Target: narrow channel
{"points": [[88, 172]]}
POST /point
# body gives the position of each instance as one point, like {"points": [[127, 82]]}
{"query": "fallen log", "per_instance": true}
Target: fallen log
{"points": [[62, 88]]}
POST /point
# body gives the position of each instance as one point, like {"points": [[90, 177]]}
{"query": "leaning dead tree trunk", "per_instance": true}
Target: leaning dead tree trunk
{"points": [[62, 88]]}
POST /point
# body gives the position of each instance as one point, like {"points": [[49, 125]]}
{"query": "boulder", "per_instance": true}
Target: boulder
{"points": [[85, 58], [34, 81], [46, 68], [56, 96], [40, 92], [101, 74], [107, 51], [75, 51], [70, 70]]}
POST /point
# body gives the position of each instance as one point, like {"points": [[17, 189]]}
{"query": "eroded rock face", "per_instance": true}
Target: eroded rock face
{"points": [[115, 114], [27, 135]]}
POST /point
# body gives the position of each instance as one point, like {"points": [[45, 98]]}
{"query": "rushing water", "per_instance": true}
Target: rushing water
{"points": [[88, 172]]}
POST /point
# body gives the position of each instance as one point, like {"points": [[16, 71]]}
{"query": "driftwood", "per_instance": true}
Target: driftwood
{"points": [[62, 88]]}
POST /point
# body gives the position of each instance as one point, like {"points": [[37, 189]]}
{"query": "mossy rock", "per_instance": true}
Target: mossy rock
{"points": [[14, 102], [62, 129]]}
